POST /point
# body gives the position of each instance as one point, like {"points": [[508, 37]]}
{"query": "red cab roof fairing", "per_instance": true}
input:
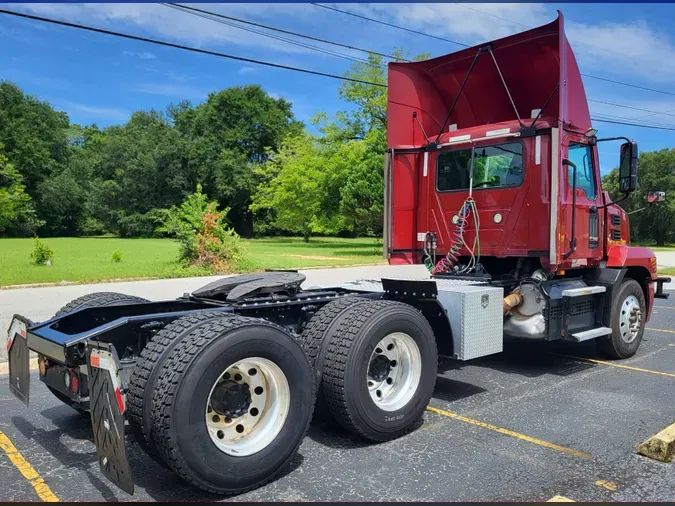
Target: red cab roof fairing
{"points": [[532, 64]]}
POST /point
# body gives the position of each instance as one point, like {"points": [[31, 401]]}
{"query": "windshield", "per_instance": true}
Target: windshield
{"points": [[493, 166]]}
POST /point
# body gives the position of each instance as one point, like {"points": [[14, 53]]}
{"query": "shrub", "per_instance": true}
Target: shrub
{"points": [[116, 256], [42, 254], [205, 238]]}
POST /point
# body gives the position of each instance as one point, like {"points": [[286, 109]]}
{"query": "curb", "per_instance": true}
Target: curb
{"points": [[660, 447]]}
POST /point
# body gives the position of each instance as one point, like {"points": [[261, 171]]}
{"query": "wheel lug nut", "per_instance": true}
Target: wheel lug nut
{"points": [[393, 363], [209, 409], [252, 372], [216, 419], [227, 376], [220, 434], [254, 412], [237, 377], [258, 390], [390, 346], [228, 420], [240, 428], [378, 393], [389, 381], [378, 350], [370, 383]]}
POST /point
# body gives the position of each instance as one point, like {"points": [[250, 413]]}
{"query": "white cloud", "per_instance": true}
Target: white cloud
{"points": [[143, 56], [111, 113], [179, 91], [172, 24], [247, 70]]}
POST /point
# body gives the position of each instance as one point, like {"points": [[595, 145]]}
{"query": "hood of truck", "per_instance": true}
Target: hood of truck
{"points": [[532, 64]]}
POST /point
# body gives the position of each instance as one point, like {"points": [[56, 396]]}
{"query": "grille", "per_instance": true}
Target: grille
{"points": [[616, 234], [616, 220], [583, 308]]}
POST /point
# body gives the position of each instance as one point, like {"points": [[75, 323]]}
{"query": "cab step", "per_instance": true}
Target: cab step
{"points": [[590, 334]]}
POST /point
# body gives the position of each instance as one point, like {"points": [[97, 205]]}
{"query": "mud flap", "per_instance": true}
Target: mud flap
{"points": [[17, 351], [107, 401]]}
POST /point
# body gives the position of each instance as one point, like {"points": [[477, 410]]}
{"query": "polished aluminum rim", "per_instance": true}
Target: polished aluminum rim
{"points": [[394, 371], [630, 319], [259, 420]]}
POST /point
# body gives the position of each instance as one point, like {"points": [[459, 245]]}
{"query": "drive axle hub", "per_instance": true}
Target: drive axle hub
{"points": [[231, 399]]}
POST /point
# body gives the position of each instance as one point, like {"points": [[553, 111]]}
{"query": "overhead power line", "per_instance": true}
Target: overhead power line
{"points": [[288, 32], [212, 17], [243, 59], [390, 24], [467, 45], [623, 106], [186, 48]]}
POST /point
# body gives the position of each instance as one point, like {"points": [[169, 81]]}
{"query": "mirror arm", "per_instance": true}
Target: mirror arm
{"points": [[613, 139], [595, 208]]}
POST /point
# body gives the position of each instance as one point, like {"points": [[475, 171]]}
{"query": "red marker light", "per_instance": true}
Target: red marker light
{"points": [[74, 383]]}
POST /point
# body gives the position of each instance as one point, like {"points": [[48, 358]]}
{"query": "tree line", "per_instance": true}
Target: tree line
{"points": [[244, 150], [242, 147]]}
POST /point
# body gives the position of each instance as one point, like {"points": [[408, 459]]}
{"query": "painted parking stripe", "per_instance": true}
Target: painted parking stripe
{"points": [[28, 472], [560, 498], [612, 364], [508, 432], [661, 330]]}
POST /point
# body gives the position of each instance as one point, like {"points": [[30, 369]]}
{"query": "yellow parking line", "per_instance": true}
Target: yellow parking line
{"points": [[38, 484], [560, 498], [661, 330], [508, 432], [603, 362], [4, 366]]}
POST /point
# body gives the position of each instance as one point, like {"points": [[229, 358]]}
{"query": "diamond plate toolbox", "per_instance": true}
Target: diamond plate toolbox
{"points": [[476, 319]]}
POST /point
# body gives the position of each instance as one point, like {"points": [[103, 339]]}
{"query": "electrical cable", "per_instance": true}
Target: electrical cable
{"points": [[288, 32], [467, 45], [244, 59], [329, 52], [186, 48]]}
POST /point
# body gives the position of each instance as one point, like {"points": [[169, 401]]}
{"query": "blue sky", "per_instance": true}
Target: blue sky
{"points": [[101, 79]]}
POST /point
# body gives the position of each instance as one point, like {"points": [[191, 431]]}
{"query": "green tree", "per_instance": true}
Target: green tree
{"points": [[649, 222], [230, 136], [16, 211], [296, 188]]}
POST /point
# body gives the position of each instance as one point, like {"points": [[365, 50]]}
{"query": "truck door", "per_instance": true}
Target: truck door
{"points": [[587, 228]]}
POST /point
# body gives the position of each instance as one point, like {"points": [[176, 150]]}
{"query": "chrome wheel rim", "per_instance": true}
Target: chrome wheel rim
{"points": [[630, 319], [394, 371], [247, 406]]}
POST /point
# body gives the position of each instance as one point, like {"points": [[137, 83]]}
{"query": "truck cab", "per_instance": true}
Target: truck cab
{"points": [[493, 174]]}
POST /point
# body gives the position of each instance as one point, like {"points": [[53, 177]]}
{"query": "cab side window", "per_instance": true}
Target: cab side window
{"points": [[582, 156]]}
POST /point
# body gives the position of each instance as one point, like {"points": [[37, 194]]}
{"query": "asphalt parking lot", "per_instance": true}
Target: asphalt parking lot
{"points": [[527, 424]]}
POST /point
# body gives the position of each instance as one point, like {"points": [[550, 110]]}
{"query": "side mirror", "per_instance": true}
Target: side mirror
{"points": [[628, 167], [655, 196]]}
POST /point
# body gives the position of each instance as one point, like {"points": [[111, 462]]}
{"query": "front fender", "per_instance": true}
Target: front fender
{"points": [[632, 256]]}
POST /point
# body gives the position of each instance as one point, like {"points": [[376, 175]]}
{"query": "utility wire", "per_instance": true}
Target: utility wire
{"points": [[186, 48], [329, 52], [640, 125], [240, 58], [466, 45], [391, 25], [288, 32], [210, 15]]}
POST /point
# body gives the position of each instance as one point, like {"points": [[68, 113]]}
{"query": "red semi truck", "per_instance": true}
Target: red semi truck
{"points": [[492, 182]]}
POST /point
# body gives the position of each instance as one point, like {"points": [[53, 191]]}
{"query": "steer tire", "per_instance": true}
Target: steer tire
{"points": [[144, 376], [182, 391], [615, 346], [344, 380], [100, 299]]}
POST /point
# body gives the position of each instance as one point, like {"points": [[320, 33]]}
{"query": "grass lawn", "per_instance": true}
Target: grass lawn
{"points": [[89, 259]]}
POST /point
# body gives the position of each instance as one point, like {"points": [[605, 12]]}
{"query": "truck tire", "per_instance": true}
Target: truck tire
{"points": [[627, 320], [380, 369], [143, 380], [321, 326], [232, 403], [100, 299]]}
